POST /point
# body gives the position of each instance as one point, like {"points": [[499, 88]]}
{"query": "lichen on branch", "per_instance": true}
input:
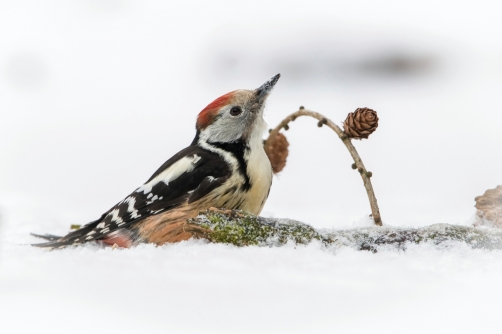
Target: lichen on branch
{"points": [[243, 229]]}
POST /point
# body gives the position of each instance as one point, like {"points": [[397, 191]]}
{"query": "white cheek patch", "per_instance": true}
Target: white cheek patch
{"points": [[184, 165], [225, 128]]}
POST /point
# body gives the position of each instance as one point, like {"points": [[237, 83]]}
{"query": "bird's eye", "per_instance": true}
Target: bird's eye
{"points": [[235, 111]]}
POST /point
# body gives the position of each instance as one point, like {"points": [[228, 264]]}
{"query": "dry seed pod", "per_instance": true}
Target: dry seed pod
{"points": [[361, 123], [489, 207], [277, 151]]}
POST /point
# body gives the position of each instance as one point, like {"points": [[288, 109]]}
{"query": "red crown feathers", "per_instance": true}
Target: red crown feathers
{"points": [[207, 115]]}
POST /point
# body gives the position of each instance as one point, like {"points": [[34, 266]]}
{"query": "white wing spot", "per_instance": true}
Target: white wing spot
{"points": [[91, 233], [101, 225], [154, 198], [106, 230], [115, 216], [184, 165], [196, 159], [130, 208]]}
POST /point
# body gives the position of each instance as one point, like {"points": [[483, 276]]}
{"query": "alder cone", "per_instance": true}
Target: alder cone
{"points": [[360, 123], [277, 151]]}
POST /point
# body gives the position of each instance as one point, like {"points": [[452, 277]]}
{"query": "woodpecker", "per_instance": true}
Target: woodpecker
{"points": [[225, 166]]}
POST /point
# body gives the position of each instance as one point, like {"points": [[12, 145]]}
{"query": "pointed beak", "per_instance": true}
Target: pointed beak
{"points": [[262, 92]]}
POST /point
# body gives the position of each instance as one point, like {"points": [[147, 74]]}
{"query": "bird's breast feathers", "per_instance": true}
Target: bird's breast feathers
{"points": [[259, 170]]}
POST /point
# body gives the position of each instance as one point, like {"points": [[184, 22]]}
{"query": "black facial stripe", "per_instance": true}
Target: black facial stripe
{"points": [[237, 149], [196, 139]]}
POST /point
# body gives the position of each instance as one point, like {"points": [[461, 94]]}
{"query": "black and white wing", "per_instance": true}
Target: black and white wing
{"points": [[188, 176]]}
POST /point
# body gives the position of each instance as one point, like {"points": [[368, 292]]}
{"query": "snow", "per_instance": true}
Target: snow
{"points": [[365, 221], [194, 287], [95, 95]]}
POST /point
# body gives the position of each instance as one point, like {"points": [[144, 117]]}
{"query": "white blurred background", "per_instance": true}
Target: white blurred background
{"points": [[96, 95]]}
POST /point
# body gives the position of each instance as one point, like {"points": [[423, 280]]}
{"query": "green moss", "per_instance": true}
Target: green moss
{"points": [[243, 229]]}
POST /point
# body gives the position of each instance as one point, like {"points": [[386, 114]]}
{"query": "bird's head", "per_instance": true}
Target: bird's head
{"points": [[237, 115]]}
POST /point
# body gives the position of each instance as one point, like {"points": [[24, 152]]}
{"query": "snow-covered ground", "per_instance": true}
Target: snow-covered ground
{"points": [[194, 287], [95, 95]]}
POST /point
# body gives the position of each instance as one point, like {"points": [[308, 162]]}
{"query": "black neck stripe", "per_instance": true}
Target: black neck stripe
{"points": [[237, 149], [196, 139]]}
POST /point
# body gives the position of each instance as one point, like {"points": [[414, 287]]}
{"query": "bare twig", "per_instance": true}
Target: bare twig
{"points": [[358, 163]]}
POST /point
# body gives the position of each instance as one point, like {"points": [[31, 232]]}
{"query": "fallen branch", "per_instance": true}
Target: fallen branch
{"points": [[244, 229], [358, 163]]}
